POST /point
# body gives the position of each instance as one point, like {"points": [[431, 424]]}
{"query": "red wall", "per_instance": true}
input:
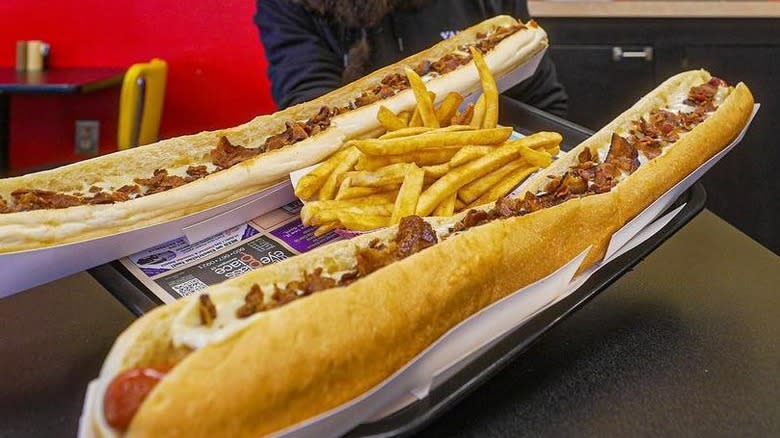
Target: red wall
{"points": [[216, 68]]}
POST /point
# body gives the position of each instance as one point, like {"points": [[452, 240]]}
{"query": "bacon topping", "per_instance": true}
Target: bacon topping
{"points": [[227, 155], [414, 235], [589, 176], [207, 310], [160, 182], [40, 199], [622, 154], [197, 171]]}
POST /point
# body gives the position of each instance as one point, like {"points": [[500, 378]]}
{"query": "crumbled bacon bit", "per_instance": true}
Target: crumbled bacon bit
{"points": [[95, 189], [108, 197], [207, 310], [197, 171], [130, 189], [622, 154], [160, 182], [41, 199], [227, 155]]}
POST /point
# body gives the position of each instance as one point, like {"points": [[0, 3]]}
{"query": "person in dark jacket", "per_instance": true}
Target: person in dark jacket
{"points": [[315, 46]]}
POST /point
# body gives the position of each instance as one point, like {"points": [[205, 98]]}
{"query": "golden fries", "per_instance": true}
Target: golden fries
{"points": [[328, 215], [312, 182], [436, 171], [479, 113], [395, 146], [388, 120], [405, 132], [446, 208], [469, 153], [489, 90], [431, 159], [362, 222], [424, 100], [328, 189], [448, 108], [322, 229], [385, 176], [473, 190], [460, 176], [360, 192], [405, 116], [406, 202], [504, 186], [421, 158]]}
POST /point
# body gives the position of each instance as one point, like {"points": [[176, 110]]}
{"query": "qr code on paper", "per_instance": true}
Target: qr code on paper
{"points": [[189, 286]]}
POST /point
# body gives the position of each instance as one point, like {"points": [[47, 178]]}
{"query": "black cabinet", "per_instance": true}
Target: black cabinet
{"points": [[743, 188], [599, 75]]}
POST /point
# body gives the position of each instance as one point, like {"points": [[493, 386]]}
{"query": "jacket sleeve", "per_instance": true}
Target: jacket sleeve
{"points": [[301, 63]]}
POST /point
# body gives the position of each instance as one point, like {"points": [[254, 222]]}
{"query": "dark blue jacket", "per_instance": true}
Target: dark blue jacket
{"points": [[307, 52]]}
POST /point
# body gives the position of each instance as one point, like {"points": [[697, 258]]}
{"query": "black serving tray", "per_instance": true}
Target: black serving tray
{"points": [[136, 297]]}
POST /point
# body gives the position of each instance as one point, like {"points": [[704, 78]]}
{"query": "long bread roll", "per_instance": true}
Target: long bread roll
{"points": [[185, 175], [225, 364]]}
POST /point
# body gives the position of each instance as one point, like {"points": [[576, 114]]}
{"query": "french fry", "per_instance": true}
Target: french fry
{"points": [[535, 157], [405, 116], [451, 128], [325, 216], [489, 90], [447, 207], [437, 171], [424, 101], [343, 186], [388, 120], [416, 120], [406, 202], [310, 209], [459, 177], [385, 176], [479, 113], [325, 228], [421, 158], [459, 205], [403, 145], [469, 153], [405, 132], [465, 117], [362, 222], [328, 189], [310, 183], [360, 192], [553, 151], [504, 186], [448, 107], [473, 190]]}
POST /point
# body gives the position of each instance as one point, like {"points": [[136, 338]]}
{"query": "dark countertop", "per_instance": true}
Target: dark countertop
{"points": [[59, 80], [686, 344]]}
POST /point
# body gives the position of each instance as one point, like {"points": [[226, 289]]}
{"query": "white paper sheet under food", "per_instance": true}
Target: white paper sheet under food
{"points": [[24, 269], [464, 342]]}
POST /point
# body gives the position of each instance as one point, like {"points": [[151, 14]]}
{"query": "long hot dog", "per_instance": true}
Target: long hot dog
{"points": [[176, 177], [281, 344]]}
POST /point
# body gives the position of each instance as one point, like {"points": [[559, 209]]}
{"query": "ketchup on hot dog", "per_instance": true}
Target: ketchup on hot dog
{"points": [[126, 393]]}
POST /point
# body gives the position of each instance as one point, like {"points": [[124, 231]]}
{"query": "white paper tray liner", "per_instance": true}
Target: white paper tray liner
{"points": [[463, 343]]}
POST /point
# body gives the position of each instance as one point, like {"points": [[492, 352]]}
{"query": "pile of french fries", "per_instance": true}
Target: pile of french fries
{"points": [[432, 161]]}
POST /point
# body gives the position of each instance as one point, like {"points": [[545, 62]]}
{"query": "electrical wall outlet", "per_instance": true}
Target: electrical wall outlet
{"points": [[87, 135]]}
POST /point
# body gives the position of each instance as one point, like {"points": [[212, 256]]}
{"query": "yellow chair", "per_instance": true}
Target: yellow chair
{"points": [[141, 103]]}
